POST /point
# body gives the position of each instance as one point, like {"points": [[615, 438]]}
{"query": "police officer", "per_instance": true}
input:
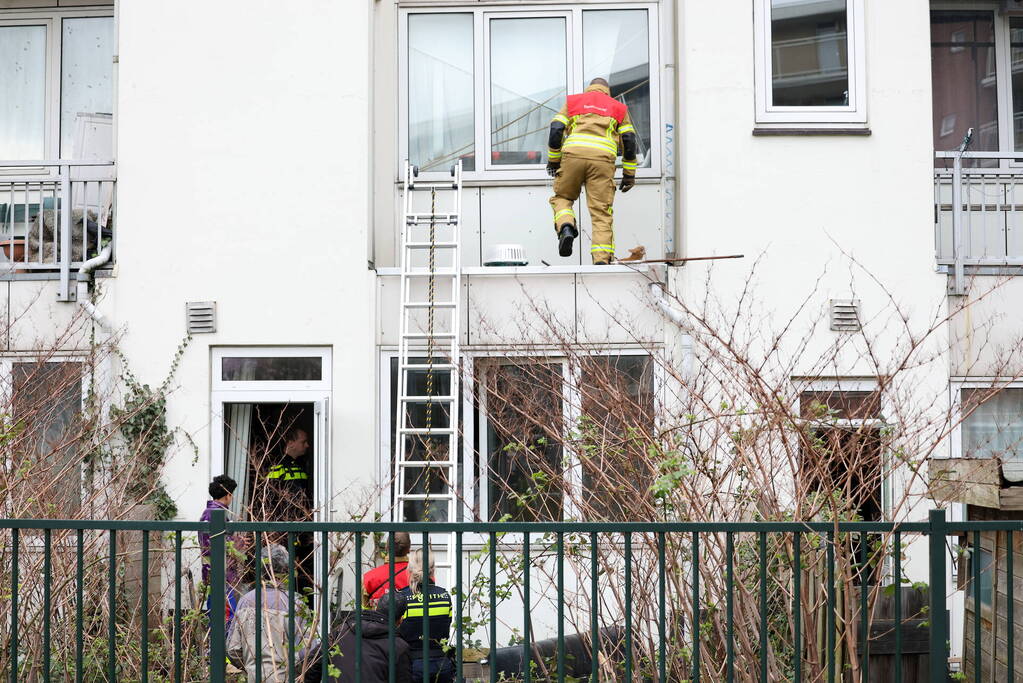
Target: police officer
{"points": [[582, 146], [290, 479], [423, 600]]}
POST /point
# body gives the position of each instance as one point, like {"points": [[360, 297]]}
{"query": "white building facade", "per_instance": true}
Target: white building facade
{"points": [[800, 133]]}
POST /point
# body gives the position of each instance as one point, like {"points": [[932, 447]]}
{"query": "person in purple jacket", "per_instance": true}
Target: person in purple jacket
{"points": [[221, 493]]}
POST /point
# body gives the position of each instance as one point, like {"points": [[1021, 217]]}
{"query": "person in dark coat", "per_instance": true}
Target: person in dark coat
{"points": [[376, 650]]}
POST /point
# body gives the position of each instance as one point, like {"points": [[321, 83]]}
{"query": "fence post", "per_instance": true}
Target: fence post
{"points": [[939, 626], [218, 592]]}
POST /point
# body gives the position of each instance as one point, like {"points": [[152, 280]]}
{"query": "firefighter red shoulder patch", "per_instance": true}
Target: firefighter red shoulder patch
{"points": [[596, 103]]}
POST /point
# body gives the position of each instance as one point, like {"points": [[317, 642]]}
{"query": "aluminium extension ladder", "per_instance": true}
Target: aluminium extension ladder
{"points": [[427, 438]]}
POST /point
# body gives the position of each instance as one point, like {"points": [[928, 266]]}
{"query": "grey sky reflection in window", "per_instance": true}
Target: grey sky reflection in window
{"points": [[528, 84], [272, 369], [440, 92], [616, 47]]}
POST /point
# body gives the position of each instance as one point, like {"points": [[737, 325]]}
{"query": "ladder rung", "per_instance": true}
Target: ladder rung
{"points": [[447, 272], [427, 335], [427, 304], [423, 431], [421, 366], [427, 245], [423, 464], [427, 399], [423, 496]]}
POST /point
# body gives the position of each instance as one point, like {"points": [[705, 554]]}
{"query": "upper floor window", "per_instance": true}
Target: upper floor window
{"points": [[484, 84], [53, 66], [810, 61]]}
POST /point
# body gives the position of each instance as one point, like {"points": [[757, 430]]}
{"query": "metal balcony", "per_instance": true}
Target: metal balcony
{"points": [[54, 215]]}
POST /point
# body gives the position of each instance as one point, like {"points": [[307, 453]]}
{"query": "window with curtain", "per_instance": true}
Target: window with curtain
{"points": [[528, 85], [87, 74], [22, 92], [440, 91], [39, 101], [993, 423]]}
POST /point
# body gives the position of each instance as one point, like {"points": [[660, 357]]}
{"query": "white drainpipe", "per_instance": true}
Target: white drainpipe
{"points": [[84, 277], [679, 318]]}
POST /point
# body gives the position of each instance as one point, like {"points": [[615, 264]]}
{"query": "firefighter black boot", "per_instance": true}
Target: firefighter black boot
{"points": [[566, 234]]}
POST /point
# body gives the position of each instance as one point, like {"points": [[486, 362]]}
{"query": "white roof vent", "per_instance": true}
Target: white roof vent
{"points": [[201, 317], [845, 315], [506, 255]]}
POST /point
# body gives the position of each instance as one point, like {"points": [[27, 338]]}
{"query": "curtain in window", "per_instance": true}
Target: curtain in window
{"points": [[995, 427], [440, 79], [22, 92], [237, 438], [87, 76]]}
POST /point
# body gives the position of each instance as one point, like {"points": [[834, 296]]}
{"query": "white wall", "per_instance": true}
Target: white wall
{"points": [[841, 216], [242, 179]]}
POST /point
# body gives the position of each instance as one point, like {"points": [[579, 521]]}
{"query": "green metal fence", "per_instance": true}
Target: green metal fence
{"points": [[761, 566]]}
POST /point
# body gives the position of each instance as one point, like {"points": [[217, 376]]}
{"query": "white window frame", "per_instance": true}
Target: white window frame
{"points": [[815, 117], [53, 19], [955, 399], [485, 170], [476, 493], [849, 385], [316, 392]]}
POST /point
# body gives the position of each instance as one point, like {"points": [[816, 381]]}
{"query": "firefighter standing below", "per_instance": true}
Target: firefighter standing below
{"points": [[583, 144]]}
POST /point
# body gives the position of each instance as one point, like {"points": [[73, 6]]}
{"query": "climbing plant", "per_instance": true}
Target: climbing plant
{"points": [[142, 421]]}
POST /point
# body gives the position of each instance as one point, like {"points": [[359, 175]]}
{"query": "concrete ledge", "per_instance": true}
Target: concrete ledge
{"points": [[769, 131]]}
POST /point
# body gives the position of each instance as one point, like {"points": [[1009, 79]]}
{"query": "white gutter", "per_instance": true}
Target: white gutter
{"points": [[84, 277]]}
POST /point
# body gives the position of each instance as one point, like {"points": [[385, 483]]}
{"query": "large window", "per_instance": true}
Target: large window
{"points": [[977, 79], [483, 85], [964, 83], [46, 406], [992, 426], [810, 61], [564, 439], [841, 461], [53, 66]]}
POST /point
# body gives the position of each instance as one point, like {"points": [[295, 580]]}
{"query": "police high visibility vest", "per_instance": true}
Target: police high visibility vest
{"points": [[287, 472], [435, 606]]}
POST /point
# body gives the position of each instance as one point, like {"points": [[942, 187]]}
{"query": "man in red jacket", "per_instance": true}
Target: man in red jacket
{"points": [[582, 147], [377, 581]]}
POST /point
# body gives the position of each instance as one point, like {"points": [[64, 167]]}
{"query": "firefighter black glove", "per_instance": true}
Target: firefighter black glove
{"points": [[552, 168], [627, 182]]}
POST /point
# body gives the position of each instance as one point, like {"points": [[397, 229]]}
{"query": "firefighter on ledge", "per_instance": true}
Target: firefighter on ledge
{"points": [[583, 144]]}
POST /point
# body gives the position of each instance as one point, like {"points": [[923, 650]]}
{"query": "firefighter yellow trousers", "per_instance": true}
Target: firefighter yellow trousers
{"points": [[597, 176]]}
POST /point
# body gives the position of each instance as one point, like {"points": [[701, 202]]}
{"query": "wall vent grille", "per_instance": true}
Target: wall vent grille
{"points": [[845, 315], [201, 317]]}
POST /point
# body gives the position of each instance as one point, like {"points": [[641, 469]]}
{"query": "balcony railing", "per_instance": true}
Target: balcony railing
{"points": [[978, 213], [598, 601], [55, 215]]}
